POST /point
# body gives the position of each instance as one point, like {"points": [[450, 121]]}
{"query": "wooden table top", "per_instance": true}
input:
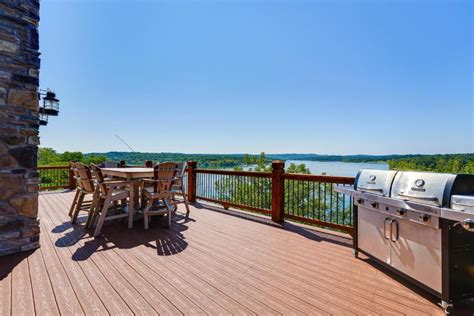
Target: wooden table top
{"points": [[133, 173]]}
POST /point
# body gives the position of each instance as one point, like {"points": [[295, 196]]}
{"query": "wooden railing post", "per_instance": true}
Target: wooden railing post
{"points": [[278, 191], [192, 181]]}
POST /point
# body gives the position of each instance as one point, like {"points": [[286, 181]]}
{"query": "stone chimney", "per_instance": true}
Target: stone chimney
{"points": [[19, 72]]}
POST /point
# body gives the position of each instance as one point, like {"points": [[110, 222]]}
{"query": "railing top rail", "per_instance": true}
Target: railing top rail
{"points": [[235, 173], [318, 178], [53, 167]]}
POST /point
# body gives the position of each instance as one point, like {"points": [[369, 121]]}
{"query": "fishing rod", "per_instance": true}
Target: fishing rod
{"points": [[124, 142]]}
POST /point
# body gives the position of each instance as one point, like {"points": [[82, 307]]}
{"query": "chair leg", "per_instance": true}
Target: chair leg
{"points": [[103, 214], [170, 210], [96, 211], [80, 199], [145, 213], [95, 201], [131, 210], [185, 199], [74, 202]]}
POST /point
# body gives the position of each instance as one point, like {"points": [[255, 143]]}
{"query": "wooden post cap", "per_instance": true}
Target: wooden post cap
{"points": [[278, 165]]}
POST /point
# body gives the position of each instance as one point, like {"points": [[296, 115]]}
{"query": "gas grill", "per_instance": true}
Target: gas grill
{"points": [[420, 225]]}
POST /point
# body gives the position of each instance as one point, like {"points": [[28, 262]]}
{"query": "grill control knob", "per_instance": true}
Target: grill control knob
{"points": [[360, 201], [424, 217], [374, 204], [401, 212]]}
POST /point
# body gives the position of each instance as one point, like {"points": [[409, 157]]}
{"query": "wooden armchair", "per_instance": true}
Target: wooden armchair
{"points": [[110, 192], [178, 188], [158, 190], [85, 186]]}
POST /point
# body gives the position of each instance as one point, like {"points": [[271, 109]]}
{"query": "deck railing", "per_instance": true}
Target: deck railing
{"points": [[56, 177], [304, 198]]}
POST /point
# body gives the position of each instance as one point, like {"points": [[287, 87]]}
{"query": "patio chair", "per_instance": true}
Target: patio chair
{"points": [[178, 188], [110, 164], [85, 186], [158, 193], [109, 193]]}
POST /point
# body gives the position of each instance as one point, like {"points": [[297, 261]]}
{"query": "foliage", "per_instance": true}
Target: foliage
{"points": [[374, 158], [458, 163], [210, 161], [49, 157]]}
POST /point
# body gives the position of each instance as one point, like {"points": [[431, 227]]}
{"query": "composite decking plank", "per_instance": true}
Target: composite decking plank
{"points": [[132, 297], [172, 291], [271, 297], [22, 294], [325, 251], [331, 275], [328, 296], [363, 284], [64, 294], [227, 261], [155, 298], [107, 294], [186, 286], [360, 301], [45, 302], [85, 293], [319, 268], [178, 299], [110, 260], [225, 294], [5, 285]]}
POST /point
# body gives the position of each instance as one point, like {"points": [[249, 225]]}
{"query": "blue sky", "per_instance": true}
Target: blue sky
{"points": [[327, 77]]}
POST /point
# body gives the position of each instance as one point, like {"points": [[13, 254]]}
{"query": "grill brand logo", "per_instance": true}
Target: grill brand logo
{"points": [[372, 179], [419, 183]]}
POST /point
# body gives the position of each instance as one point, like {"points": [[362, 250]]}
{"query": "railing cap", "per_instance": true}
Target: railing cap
{"points": [[278, 164]]}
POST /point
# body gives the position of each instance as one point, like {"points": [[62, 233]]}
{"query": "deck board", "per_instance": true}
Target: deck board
{"points": [[22, 293], [5, 285], [213, 264]]}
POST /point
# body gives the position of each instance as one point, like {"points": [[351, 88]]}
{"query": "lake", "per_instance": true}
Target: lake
{"points": [[338, 168]]}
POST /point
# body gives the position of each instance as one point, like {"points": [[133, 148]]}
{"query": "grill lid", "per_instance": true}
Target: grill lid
{"points": [[373, 181], [423, 187]]}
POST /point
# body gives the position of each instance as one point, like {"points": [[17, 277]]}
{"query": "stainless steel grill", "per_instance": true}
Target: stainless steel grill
{"points": [[420, 225]]}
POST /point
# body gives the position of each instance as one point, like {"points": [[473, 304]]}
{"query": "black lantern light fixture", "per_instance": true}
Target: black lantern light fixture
{"points": [[43, 119], [50, 106]]}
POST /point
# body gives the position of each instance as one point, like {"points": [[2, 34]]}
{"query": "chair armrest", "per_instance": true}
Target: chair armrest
{"points": [[150, 181]]}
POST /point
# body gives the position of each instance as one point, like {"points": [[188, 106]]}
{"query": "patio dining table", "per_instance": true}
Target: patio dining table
{"points": [[134, 174]]}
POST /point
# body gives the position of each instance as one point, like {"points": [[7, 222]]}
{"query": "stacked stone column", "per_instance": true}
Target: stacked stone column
{"points": [[19, 81]]}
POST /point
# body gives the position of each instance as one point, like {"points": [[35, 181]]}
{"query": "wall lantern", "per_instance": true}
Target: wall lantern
{"points": [[50, 106]]}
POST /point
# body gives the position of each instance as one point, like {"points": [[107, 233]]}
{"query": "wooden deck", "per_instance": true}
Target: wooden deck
{"points": [[213, 264]]}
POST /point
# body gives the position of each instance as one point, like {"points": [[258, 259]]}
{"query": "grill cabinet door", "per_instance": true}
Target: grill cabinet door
{"points": [[370, 235], [417, 252]]}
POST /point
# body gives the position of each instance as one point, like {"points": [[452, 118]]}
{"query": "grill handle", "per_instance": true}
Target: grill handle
{"points": [[385, 228], [371, 189], [425, 198], [391, 230]]}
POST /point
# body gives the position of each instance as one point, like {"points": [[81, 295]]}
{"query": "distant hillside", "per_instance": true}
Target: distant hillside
{"points": [[203, 160], [343, 158]]}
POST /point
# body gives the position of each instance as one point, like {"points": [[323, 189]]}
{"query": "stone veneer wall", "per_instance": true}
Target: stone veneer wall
{"points": [[19, 72]]}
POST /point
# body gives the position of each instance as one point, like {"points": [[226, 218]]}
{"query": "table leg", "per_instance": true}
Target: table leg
{"points": [[136, 197]]}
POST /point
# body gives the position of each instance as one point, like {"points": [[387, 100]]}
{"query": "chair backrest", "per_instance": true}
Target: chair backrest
{"points": [[99, 177], [110, 164], [84, 177], [166, 172], [181, 170], [148, 164]]}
